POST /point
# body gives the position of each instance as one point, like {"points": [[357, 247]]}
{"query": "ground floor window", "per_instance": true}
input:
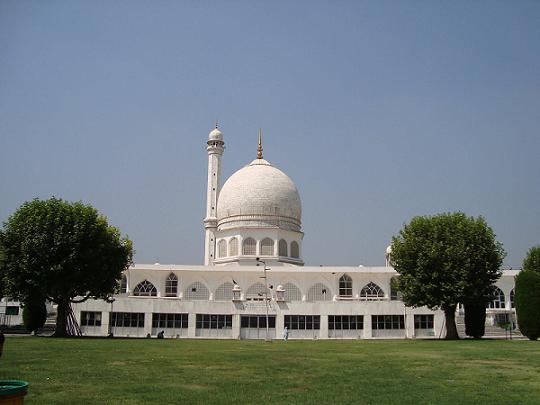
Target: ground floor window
{"points": [[90, 318], [210, 321], [127, 319], [303, 322], [423, 322], [12, 310], [176, 321], [257, 321], [379, 322], [345, 322]]}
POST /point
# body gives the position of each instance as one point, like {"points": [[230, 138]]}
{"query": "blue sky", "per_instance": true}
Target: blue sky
{"points": [[378, 111]]}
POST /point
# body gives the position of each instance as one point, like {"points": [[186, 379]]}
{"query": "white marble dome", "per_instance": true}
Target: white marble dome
{"points": [[259, 195], [215, 135]]}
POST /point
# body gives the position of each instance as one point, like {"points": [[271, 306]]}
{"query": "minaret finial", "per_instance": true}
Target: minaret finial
{"points": [[217, 124], [259, 148]]}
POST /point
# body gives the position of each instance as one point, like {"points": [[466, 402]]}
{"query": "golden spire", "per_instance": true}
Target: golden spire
{"points": [[259, 148]]}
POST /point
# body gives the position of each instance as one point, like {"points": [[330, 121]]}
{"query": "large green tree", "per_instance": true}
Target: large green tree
{"points": [[66, 251], [527, 295], [446, 259]]}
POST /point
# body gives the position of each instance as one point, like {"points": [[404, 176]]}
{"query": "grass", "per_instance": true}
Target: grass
{"points": [[134, 371]]}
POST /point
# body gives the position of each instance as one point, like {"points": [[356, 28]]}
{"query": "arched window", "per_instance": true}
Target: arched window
{"points": [[224, 292], [171, 285], [498, 299], [292, 292], [222, 248], [395, 295], [123, 284], [345, 286], [256, 292], [318, 292], [512, 299], [196, 291], [282, 247], [295, 250], [371, 292], [267, 247], [249, 247], [145, 289], [233, 247]]}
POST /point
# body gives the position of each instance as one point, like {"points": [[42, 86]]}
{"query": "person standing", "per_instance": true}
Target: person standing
{"points": [[285, 333]]}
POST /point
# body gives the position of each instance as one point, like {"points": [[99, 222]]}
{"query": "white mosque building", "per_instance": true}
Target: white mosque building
{"points": [[253, 282]]}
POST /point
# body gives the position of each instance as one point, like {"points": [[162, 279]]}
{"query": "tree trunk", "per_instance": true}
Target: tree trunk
{"points": [[451, 329], [61, 319]]}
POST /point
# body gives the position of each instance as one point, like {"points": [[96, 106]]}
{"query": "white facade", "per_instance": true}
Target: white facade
{"points": [[257, 214]]}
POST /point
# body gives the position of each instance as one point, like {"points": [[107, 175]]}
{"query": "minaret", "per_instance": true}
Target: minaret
{"points": [[215, 147]]}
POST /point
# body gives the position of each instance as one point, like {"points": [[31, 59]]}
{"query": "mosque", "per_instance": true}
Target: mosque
{"points": [[253, 282]]}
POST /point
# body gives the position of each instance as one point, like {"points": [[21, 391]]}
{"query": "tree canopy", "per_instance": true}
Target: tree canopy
{"points": [[66, 251], [532, 260], [444, 260]]}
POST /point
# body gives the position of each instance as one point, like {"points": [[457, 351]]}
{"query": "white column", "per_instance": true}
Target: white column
{"points": [[192, 320]]}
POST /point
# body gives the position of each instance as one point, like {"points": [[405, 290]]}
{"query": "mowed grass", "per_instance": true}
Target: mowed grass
{"points": [[136, 371]]}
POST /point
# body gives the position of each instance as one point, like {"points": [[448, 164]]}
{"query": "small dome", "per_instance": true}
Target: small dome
{"points": [[258, 195], [215, 135], [280, 288], [236, 288], [389, 250]]}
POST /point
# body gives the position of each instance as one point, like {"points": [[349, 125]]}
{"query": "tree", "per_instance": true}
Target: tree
{"points": [[66, 251], [446, 259], [34, 312], [475, 319], [527, 295], [532, 260]]}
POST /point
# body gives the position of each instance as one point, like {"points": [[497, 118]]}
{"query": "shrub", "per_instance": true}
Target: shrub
{"points": [[34, 313], [527, 302], [475, 320]]}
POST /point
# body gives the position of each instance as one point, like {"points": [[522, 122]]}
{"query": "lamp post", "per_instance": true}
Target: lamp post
{"points": [[110, 299], [265, 297]]}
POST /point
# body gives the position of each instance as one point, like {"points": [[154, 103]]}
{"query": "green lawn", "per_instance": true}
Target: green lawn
{"points": [[132, 371]]}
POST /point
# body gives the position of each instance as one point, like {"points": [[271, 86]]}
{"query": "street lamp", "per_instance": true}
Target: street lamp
{"points": [[265, 297], [110, 299]]}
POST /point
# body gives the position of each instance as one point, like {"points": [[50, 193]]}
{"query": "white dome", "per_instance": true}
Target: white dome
{"points": [[258, 195], [389, 250], [215, 135]]}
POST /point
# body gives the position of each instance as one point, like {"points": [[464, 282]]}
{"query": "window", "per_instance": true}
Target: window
{"points": [[176, 321], [319, 292], [224, 292], [127, 319], [222, 248], [512, 299], [292, 292], [295, 250], [90, 318], [123, 284], [257, 321], [12, 310], [345, 322], [267, 247], [145, 289], [233, 247], [282, 247], [379, 322], [256, 292], [345, 286], [207, 321], [498, 299], [249, 247], [171, 285], [371, 292], [303, 322], [196, 291], [423, 322]]}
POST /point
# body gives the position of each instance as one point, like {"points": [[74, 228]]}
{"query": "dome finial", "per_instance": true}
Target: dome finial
{"points": [[259, 148], [217, 127]]}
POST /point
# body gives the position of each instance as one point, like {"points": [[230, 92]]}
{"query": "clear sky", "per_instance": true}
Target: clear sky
{"points": [[378, 111]]}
